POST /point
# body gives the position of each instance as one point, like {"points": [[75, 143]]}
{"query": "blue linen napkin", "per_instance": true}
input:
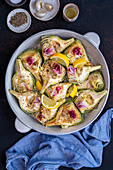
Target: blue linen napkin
{"points": [[38, 151]]}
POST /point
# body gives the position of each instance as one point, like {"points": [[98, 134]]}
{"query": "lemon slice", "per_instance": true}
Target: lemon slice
{"points": [[72, 91], [80, 62], [61, 59], [38, 85], [49, 103]]}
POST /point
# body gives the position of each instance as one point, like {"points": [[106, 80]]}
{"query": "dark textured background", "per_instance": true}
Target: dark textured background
{"points": [[95, 15]]}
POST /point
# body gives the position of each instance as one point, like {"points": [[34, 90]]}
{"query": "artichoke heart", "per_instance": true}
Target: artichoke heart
{"points": [[32, 61], [52, 73], [95, 81], [22, 80], [29, 101], [67, 115], [44, 114], [80, 74], [87, 100], [76, 51], [58, 91], [53, 44]]}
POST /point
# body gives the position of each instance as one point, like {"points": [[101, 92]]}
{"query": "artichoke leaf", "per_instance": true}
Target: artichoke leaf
{"points": [[32, 61], [53, 44], [58, 91], [29, 101], [76, 51], [86, 100], [44, 114], [79, 75], [52, 73], [67, 115], [95, 82], [22, 80]]}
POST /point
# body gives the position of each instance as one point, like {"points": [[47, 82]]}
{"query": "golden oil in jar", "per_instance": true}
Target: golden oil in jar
{"points": [[70, 12]]}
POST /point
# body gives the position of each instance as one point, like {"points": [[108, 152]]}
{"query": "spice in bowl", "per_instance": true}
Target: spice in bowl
{"points": [[18, 19]]}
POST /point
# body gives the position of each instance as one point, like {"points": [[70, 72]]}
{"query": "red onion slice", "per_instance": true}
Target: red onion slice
{"points": [[72, 114], [77, 51], [26, 87], [48, 50], [82, 104], [72, 70], [57, 68], [58, 88], [37, 100], [30, 61], [53, 93]]}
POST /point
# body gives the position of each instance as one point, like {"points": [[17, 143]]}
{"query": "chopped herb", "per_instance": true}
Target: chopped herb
{"points": [[18, 19]]}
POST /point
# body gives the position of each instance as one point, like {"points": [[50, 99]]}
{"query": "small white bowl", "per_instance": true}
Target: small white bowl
{"points": [[73, 6], [49, 15], [23, 27], [15, 5]]}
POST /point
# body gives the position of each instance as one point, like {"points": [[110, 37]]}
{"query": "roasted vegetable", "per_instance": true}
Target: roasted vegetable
{"points": [[58, 91], [32, 61], [52, 73], [95, 81], [79, 75], [22, 80], [76, 51], [29, 101], [44, 114], [87, 100], [67, 74], [53, 44], [67, 115]]}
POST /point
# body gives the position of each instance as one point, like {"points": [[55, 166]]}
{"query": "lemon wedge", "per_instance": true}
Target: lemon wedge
{"points": [[80, 62], [72, 91], [38, 85], [61, 59], [49, 103]]}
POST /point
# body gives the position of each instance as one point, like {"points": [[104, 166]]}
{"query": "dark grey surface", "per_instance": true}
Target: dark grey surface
{"points": [[95, 15]]}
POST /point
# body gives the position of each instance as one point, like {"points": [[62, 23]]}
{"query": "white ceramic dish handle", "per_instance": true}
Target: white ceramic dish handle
{"points": [[95, 40], [20, 127]]}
